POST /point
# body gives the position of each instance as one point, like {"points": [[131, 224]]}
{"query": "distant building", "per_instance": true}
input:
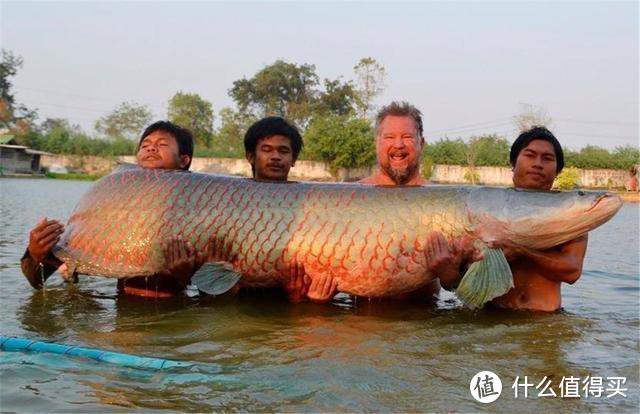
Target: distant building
{"points": [[18, 159]]}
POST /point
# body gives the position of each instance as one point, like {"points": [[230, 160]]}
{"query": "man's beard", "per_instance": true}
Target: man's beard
{"points": [[400, 176]]}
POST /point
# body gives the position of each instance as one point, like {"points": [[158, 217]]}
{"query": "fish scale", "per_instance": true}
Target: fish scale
{"points": [[371, 239]]}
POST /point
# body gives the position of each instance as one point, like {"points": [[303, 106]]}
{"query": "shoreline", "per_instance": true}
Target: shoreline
{"points": [[629, 196], [626, 196]]}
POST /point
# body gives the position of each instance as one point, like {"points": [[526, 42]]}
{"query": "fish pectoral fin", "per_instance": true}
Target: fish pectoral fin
{"points": [[68, 272], [486, 279], [215, 278]]}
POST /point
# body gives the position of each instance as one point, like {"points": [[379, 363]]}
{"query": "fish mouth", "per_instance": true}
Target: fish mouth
{"points": [[599, 199]]}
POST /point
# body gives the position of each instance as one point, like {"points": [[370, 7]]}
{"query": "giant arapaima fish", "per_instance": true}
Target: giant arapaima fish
{"points": [[371, 239]]}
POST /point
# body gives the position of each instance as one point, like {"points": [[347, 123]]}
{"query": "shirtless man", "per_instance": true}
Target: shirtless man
{"points": [[399, 143], [162, 145], [537, 157], [272, 146]]}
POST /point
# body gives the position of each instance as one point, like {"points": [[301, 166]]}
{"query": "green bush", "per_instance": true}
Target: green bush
{"points": [[472, 177], [446, 151], [427, 167], [567, 179], [341, 141]]}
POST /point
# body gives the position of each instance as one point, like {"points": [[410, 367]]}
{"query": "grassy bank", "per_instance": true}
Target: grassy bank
{"points": [[629, 196], [74, 176]]}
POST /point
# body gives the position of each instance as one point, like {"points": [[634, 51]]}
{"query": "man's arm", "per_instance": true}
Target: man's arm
{"points": [[38, 272], [38, 263], [561, 264], [182, 261]]}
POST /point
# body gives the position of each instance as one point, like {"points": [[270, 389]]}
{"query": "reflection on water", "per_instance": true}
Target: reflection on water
{"points": [[263, 354]]}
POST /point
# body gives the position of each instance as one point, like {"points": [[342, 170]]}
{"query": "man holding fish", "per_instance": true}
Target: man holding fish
{"points": [[537, 157], [399, 144], [272, 146], [398, 164], [163, 145]]}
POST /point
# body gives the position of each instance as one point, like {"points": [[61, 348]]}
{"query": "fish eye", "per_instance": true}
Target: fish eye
{"points": [[581, 193]]}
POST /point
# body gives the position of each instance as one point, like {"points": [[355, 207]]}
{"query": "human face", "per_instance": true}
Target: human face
{"points": [[273, 158], [399, 148], [535, 167], [160, 149]]}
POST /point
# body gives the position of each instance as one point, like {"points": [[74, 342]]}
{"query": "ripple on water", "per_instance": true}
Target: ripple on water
{"points": [[263, 354]]}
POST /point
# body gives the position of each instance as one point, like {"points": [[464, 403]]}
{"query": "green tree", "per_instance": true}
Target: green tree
{"points": [[121, 146], [341, 141], [127, 120], [56, 135], [57, 141], [32, 139], [282, 89], [626, 157], [370, 83], [13, 116], [338, 98], [488, 150], [593, 156], [570, 157], [50, 124], [193, 113], [447, 151], [228, 140]]}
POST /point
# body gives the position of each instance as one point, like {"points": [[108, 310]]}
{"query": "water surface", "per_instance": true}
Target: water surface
{"points": [[264, 354]]}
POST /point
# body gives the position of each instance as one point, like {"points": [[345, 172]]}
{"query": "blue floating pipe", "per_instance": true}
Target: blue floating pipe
{"points": [[13, 344]]}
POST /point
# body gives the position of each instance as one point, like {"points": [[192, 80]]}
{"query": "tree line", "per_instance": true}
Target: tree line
{"points": [[335, 116], [493, 150]]}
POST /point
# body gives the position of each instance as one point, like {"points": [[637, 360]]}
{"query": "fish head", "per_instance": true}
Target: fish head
{"points": [[538, 219]]}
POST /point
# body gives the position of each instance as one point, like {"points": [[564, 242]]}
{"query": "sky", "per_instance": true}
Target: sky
{"points": [[468, 66]]}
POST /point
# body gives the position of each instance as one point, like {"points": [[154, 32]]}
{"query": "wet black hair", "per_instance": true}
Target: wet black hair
{"points": [[183, 137], [268, 127], [541, 133]]}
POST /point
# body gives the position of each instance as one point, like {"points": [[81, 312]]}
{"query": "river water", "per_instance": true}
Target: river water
{"points": [[264, 354]]}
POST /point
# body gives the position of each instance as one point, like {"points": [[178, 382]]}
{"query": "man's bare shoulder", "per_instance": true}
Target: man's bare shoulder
{"points": [[369, 180]]}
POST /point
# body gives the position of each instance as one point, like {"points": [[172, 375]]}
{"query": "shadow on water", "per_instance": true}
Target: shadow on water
{"points": [[56, 314], [265, 354]]}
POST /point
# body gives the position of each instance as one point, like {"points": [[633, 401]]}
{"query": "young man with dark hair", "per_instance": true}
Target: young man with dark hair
{"points": [[272, 146], [522, 142], [162, 145], [537, 157]]}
